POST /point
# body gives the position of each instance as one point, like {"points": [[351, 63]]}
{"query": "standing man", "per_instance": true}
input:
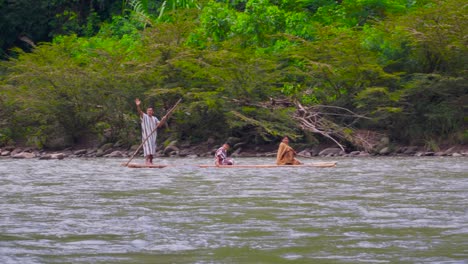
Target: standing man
{"points": [[149, 125], [221, 156], [286, 155]]}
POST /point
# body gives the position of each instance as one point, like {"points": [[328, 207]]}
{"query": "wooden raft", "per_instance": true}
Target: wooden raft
{"points": [[261, 166], [142, 165], [317, 165]]}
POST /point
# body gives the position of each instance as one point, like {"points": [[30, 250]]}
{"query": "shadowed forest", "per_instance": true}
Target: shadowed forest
{"points": [[344, 72]]}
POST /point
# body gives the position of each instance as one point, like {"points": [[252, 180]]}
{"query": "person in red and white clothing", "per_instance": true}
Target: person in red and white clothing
{"points": [[221, 156]]}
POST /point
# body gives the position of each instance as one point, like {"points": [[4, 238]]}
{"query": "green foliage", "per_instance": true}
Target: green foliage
{"points": [[121, 27], [401, 62], [72, 84], [259, 20], [216, 21], [261, 125], [173, 5], [437, 35], [433, 105], [6, 118]]}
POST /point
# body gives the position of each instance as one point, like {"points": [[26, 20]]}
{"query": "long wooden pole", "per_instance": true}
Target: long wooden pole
{"points": [[163, 120]]}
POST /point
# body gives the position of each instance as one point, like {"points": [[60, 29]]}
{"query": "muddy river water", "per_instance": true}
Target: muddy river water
{"points": [[365, 210]]}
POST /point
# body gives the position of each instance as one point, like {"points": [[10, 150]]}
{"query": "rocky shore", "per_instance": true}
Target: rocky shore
{"points": [[207, 149]]}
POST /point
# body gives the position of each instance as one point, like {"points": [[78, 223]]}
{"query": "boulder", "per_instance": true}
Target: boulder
{"points": [[16, 151], [239, 145], [24, 155], [304, 153], [45, 157], [80, 152], [106, 146], [410, 150], [236, 152], [330, 152], [91, 151], [169, 149], [58, 156], [384, 151], [99, 153]]}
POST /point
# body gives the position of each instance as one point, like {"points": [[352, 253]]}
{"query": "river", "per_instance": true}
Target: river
{"points": [[365, 210]]}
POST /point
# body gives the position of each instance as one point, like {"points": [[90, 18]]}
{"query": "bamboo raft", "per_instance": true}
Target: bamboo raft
{"points": [[261, 166], [149, 166]]}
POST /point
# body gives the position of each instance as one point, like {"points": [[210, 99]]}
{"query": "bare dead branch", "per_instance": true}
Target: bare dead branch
{"points": [[315, 119]]}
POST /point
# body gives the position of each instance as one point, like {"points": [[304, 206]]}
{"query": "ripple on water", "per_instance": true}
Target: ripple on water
{"points": [[374, 210]]}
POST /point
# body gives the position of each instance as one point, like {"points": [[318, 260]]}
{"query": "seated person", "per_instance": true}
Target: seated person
{"points": [[221, 156], [286, 154]]}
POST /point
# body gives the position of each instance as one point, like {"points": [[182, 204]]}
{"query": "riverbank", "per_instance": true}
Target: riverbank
{"points": [[110, 150]]}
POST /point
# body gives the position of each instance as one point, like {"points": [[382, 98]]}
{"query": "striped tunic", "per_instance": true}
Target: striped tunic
{"points": [[148, 125], [221, 157]]}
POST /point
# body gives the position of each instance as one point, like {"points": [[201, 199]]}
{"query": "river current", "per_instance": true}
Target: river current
{"points": [[365, 210]]}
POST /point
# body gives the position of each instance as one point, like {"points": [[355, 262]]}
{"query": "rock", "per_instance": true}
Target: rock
{"points": [[106, 146], [16, 151], [184, 153], [330, 151], [99, 153], [239, 145], [24, 155], [45, 157], [410, 150], [237, 152], [9, 148], [384, 151], [115, 154], [5, 153], [385, 141], [449, 151], [304, 153], [133, 148], [91, 151], [118, 144], [456, 154], [169, 149], [58, 156], [80, 152]]}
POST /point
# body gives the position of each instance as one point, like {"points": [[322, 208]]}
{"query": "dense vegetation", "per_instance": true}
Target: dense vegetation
{"points": [[71, 69]]}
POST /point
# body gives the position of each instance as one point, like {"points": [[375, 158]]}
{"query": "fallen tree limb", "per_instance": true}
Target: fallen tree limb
{"points": [[316, 119]]}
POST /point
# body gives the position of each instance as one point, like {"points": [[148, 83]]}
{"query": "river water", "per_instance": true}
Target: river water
{"points": [[365, 210]]}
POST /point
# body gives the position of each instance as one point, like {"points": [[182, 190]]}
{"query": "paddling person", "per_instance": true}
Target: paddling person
{"points": [[149, 124], [221, 156], [286, 155]]}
